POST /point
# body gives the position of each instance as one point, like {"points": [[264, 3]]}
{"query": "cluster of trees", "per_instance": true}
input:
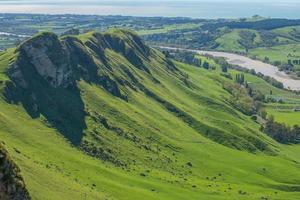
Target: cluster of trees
{"points": [[293, 62], [268, 38], [244, 98], [250, 102], [282, 133], [289, 67], [240, 79], [268, 79], [278, 131], [266, 24], [240, 98], [271, 80], [247, 39], [187, 57], [255, 94], [222, 62]]}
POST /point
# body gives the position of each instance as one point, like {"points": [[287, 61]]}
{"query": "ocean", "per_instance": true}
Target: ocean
{"points": [[178, 8]]}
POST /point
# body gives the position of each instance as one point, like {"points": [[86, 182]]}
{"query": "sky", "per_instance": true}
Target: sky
{"points": [[167, 8]]}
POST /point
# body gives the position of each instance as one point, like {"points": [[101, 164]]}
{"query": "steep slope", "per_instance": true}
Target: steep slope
{"points": [[105, 116], [52, 73], [12, 186]]}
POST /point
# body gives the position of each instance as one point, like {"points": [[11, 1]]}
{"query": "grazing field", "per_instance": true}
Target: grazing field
{"points": [[280, 53], [285, 114], [229, 41]]}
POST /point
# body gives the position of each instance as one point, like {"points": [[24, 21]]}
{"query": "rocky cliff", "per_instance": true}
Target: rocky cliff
{"points": [[62, 61], [12, 186], [49, 57]]}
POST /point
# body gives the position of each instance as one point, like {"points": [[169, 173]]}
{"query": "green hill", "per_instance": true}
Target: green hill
{"points": [[104, 116]]}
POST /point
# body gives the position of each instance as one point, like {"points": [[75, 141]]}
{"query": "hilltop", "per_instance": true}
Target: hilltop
{"points": [[103, 115]]}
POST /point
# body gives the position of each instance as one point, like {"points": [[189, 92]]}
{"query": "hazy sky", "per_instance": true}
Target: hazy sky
{"points": [[187, 8], [141, 1]]}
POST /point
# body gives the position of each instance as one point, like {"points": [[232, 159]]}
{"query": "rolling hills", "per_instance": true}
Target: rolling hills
{"points": [[104, 116], [274, 41]]}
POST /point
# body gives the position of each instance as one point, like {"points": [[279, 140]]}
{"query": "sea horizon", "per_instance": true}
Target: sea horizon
{"points": [[193, 9]]}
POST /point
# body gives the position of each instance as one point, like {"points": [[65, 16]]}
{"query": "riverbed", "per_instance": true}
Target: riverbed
{"points": [[248, 63], [12, 34], [258, 66]]}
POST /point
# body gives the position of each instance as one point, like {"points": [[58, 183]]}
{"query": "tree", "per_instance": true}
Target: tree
{"points": [[277, 63], [197, 62], [240, 79], [224, 68], [267, 59], [263, 113], [206, 65]]}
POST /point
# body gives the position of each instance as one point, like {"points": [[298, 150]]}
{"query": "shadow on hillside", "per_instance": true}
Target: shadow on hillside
{"points": [[63, 108]]}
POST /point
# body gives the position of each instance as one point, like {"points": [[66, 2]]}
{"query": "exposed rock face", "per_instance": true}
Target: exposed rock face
{"points": [[12, 186], [50, 58], [16, 74], [60, 62]]}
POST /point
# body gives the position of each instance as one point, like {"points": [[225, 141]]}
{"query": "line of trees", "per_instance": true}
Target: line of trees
{"points": [[266, 24], [281, 132], [240, 79], [268, 79], [187, 57]]}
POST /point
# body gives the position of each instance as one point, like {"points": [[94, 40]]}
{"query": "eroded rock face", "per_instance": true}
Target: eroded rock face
{"points": [[60, 62], [16, 74], [12, 186], [50, 58]]}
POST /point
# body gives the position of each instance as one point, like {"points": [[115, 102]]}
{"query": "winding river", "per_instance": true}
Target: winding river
{"points": [[12, 34], [258, 66]]}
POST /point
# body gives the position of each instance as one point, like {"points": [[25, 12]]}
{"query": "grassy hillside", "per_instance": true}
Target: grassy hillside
{"points": [[11, 182], [281, 53], [131, 124], [233, 40], [230, 41]]}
